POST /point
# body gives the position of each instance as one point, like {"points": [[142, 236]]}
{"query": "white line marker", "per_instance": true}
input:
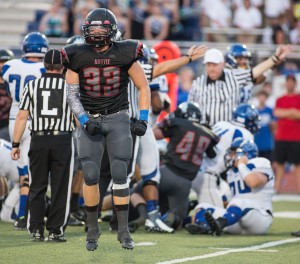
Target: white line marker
{"points": [[235, 250], [286, 198], [292, 215], [145, 244], [259, 250]]}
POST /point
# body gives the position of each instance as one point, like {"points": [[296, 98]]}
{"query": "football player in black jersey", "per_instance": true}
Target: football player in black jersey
{"points": [[97, 79], [188, 142]]}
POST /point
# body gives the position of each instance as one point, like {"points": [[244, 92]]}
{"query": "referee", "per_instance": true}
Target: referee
{"points": [[217, 91], [51, 149]]}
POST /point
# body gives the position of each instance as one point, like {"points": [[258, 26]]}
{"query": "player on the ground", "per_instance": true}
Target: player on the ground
{"points": [[251, 180]]}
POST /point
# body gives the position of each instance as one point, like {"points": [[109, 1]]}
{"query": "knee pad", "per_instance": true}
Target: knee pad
{"points": [[25, 182], [90, 173], [119, 172], [120, 190]]}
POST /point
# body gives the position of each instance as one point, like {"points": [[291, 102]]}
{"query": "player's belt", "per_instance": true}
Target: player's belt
{"points": [[104, 113], [52, 133]]}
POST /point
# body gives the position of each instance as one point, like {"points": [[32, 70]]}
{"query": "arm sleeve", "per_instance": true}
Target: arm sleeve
{"points": [[74, 101]]}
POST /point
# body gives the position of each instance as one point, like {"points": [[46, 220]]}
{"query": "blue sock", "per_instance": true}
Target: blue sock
{"points": [[233, 215], [200, 215], [22, 207], [81, 201], [152, 205]]}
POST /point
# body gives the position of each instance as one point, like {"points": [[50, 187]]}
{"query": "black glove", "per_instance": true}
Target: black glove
{"points": [[139, 128], [92, 127]]}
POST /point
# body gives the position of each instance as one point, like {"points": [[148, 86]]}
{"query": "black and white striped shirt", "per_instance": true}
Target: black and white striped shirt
{"points": [[217, 99], [46, 100]]}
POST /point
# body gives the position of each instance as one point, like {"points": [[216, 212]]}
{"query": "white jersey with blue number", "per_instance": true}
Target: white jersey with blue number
{"points": [[246, 93], [262, 196], [17, 73], [227, 133]]}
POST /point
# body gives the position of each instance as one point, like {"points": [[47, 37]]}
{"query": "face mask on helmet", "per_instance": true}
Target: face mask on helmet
{"points": [[100, 27], [238, 56], [35, 44]]}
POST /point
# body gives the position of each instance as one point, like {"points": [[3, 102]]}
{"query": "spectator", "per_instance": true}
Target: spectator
{"points": [[219, 16], [264, 138], [247, 17], [287, 138], [156, 25], [55, 22], [82, 9], [137, 15], [279, 36], [276, 8], [123, 21], [186, 76], [295, 34]]}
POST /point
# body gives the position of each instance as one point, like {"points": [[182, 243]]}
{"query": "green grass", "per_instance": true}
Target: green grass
{"points": [[16, 247]]}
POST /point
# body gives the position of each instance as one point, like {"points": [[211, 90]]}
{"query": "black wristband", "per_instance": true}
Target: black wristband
{"points": [[15, 144], [189, 56]]}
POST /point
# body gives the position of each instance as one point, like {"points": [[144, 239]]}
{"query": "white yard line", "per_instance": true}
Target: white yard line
{"points": [[286, 197], [287, 214], [234, 250], [259, 250]]}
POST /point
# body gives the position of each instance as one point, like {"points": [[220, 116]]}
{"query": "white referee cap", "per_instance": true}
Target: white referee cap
{"points": [[213, 56]]}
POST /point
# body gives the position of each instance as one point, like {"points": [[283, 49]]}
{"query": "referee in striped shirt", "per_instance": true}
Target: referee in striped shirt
{"points": [[51, 148], [218, 90]]}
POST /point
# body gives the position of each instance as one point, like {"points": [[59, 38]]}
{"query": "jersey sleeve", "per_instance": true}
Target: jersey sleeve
{"points": [[68, 54], [25, 100], [242, 76], [261, 165]]}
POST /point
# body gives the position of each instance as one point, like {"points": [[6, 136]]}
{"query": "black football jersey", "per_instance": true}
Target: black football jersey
{"points": [[188, 142], [103, 76]]}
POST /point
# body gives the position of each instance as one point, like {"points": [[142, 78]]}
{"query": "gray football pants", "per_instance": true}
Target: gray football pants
{"points": [[115, 134]]}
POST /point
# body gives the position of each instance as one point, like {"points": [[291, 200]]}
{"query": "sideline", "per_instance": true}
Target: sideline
{"points": [[234, 250]]}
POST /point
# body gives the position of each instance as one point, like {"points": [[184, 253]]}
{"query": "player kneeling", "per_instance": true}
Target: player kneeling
{"points": [[250, 211]]}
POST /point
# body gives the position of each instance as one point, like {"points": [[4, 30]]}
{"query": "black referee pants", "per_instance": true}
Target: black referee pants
{"points": [[51, 157]]}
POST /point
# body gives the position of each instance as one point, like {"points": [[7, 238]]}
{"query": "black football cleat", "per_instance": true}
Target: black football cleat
{"points": [[20, 223], [38, 236], [91, 244], [215, 224], [198, 229], [296, 234], [56, 238], [127, 243]]}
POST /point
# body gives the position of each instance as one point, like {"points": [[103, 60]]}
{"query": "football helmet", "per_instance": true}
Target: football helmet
{"points": [[100, 27], [76, 39], [35, 44], [145, 59], [233, 52], [240, 147], [188, 110], [6, 55], [247, 116]]}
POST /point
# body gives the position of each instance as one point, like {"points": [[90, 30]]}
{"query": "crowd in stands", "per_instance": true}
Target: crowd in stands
{"points": [[183, 20]]}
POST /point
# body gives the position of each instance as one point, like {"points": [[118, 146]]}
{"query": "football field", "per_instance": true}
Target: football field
{"points": [[276, 247]]}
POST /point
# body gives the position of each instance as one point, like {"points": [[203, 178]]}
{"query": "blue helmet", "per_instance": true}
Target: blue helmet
{"points": [[246, 115], [153, 56], [146, 58], [234, 51], [35, 44], [240, 147]]}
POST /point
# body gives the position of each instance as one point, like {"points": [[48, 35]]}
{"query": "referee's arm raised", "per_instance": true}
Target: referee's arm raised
{"points": [[194, 53], [278, 57]]}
